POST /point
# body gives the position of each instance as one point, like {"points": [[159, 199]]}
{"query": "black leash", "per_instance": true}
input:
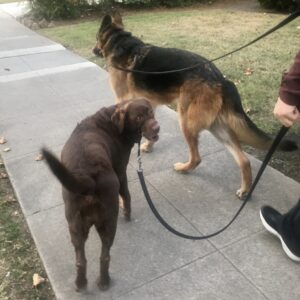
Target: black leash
{"points": [[275, 144], [279, 25], [272, 149]]}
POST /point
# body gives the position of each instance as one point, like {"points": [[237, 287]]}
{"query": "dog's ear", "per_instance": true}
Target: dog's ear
{"points": [[106, 22], [117, 20], [118, 118]]}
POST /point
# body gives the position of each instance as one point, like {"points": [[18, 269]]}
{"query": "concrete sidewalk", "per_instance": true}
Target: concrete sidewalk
{"points": [[45, 90]]}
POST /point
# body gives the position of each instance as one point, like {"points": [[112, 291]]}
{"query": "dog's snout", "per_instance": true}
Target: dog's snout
{"points": [[97, 51], [151, 129], [153, 125], [156, 127]]}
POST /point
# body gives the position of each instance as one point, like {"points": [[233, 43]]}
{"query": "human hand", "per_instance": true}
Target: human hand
{"points": [[285, 113]]}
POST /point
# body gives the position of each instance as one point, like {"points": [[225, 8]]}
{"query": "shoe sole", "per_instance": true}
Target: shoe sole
{"points": [[284, 246]]}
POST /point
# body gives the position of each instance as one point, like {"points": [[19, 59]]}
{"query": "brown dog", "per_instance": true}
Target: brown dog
{"points": [[205, 99], [93, 174]]}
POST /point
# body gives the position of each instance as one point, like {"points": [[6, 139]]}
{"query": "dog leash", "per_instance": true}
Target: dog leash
{"points": [[284, 22], [272, 149], [268, 156]]}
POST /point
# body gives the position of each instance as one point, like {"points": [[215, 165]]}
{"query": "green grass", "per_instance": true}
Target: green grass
{"points": [[19, 259], [10, 1], [210, 33]]}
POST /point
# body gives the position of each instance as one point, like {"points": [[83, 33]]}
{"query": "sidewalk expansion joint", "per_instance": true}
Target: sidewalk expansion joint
{"points": [[33, 50], [18, 37], [46, 71], [43, 210], [167, 273]]}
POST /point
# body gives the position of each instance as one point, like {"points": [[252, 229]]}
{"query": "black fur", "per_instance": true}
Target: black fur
{"points": [[165, 59]]}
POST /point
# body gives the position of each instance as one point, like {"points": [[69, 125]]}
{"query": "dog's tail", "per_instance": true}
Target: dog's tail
{"points": [[244, 128], [78, 184]]}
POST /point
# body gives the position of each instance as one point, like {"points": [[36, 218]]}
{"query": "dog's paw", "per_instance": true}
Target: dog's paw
{"points": [[81, 284], [188, 166], [127, 215], [182, 167], [241, 194], [103, 284], [126, 211], [147, 147]]}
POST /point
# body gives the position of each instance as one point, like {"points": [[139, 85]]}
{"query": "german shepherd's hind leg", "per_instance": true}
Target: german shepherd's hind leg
{"points": [[230, 141], [245, 167]]}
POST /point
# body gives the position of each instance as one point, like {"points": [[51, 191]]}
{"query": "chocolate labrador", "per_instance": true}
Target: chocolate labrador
{"points": [[92, 171]]}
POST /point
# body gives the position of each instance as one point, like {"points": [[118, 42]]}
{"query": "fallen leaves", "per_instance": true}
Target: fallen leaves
{"points": [[3, 175], [248, 71], [37, 280], [39, 157], [9, 199], [2, 140]]}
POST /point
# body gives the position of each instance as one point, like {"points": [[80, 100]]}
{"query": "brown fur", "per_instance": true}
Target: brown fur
{"points": [[205, 100], [93, 174]]}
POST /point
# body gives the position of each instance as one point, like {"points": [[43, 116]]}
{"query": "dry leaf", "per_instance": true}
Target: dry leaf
{"points": [[3, 175], [2, 140], [37, 280], [10, 199], [39, 157], [7, 149], [248, 71]]}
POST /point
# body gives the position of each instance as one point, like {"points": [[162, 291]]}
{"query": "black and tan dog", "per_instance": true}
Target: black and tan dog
{"points": [[205, 99], [93, 174]]}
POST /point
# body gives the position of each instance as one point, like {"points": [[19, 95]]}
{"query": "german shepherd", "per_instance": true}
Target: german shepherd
{"points": [[205, 99]]}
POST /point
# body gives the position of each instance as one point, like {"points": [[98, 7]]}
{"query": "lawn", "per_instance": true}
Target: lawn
{"points": [[10, 1], [19, 259], [210, 33]]}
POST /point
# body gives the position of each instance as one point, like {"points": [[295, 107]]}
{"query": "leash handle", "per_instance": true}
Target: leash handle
{"points": [[268, 156]]}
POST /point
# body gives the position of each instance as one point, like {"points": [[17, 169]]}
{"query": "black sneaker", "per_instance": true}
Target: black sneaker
{"points": [[274, 223]]}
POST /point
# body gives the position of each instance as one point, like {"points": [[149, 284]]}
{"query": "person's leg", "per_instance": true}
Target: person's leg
{"points": [[286, 227]]}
